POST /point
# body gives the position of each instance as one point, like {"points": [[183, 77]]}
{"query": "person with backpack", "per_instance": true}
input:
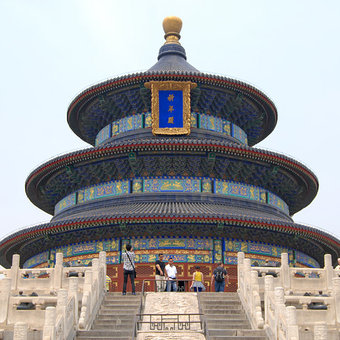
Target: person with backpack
{"points": [[129, 268], [219, 276]]}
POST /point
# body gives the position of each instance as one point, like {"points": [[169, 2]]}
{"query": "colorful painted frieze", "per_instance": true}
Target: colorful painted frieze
{"points": [[226, 128], [115, 129], [239, 134], [65, 203], [194, 120], [277, 202], [144, 120], [237, 190], [207, 185], [211, 123], [130, 123], [103, 135], [172, 185], [169, 243], [108, 189], [147, 120], [218, 251], [36, 260]]}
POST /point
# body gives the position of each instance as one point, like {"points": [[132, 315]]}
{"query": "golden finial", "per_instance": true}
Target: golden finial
{"points": [[172, 26]]}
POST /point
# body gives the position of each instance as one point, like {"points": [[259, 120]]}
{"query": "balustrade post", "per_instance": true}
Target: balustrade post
{"points": [[73, 291], [58, 271], [328, 268], [246, 277], [279, 305], [268, 288], [14, 272], [240, 260], [285, 272], [95, 278], [5, 289], [20, 331], [320, 331], [336, 294], [293, 329], [62, 297], [49, 324], [256, 303], [102, 264]]}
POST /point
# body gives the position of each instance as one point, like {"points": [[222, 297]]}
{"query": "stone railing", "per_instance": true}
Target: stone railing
{"points": [[249, 291], [294, 306], [59, 293]]}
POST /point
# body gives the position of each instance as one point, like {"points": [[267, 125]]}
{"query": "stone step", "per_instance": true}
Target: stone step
{"points": [[116, 312], [119, 307], [94, 337], [118, 334], [223, 311], [223, 317], [220, 298], [101, 324], [121, 303], [228, 326], [237, 337], [237, 332], [114, 317], [221, 302]]}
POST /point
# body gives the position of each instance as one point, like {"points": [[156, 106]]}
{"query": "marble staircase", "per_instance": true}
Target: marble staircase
{"points": [[226, 319], [115, 319]]}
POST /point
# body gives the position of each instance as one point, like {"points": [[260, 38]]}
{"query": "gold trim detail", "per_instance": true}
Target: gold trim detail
{"points": [[157, 86]]}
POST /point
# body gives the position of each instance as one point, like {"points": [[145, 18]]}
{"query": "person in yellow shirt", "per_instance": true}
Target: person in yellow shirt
{"points": [[198, 279], [108, 282]]}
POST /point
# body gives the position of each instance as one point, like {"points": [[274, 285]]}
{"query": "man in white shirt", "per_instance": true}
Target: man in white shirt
{"points": [[171, 272]]}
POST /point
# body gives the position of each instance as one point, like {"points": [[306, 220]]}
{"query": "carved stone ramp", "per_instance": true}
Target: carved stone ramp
{"points": [[171, 304], [226, 318], [115, 319]]}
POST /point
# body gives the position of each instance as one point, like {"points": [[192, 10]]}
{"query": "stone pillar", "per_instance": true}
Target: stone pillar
{"points": [[49, 324], [293, 329], [279, 295], [5, 289], [320, 331], [240, 260], [336, 294], [268, 288], [95, 264], [328, 271], [20, 331], [14, 273], [285, 272], [62, 300], [58, 271], [102, 264], [279, 305], [73, 291]]}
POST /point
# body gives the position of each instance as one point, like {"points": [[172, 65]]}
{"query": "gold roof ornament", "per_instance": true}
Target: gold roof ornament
{"points": [[172, 27]]}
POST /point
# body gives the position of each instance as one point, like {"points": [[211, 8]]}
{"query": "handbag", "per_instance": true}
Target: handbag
{"points": [[134, 269]]}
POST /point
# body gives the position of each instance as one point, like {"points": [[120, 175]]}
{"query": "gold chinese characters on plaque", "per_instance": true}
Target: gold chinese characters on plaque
{"points": [[170, 107]]}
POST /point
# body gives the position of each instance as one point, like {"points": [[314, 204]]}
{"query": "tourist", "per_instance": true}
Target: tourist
{"points": [[108, 282], [171, 273], [197, 284], [338, 266], [160, 274], [219, 276], [129, 268]]}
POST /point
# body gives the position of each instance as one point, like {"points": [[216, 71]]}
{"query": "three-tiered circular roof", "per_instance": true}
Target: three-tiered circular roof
{"points": [[142, 214]]}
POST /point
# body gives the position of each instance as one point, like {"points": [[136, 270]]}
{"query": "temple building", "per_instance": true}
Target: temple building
{"points": [[172, 169]]}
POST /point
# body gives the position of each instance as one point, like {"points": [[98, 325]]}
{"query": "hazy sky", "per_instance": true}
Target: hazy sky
{"points": [[52, 50]]}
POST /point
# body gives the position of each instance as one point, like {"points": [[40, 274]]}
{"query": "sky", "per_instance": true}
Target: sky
{"points": [[53, 50]]}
